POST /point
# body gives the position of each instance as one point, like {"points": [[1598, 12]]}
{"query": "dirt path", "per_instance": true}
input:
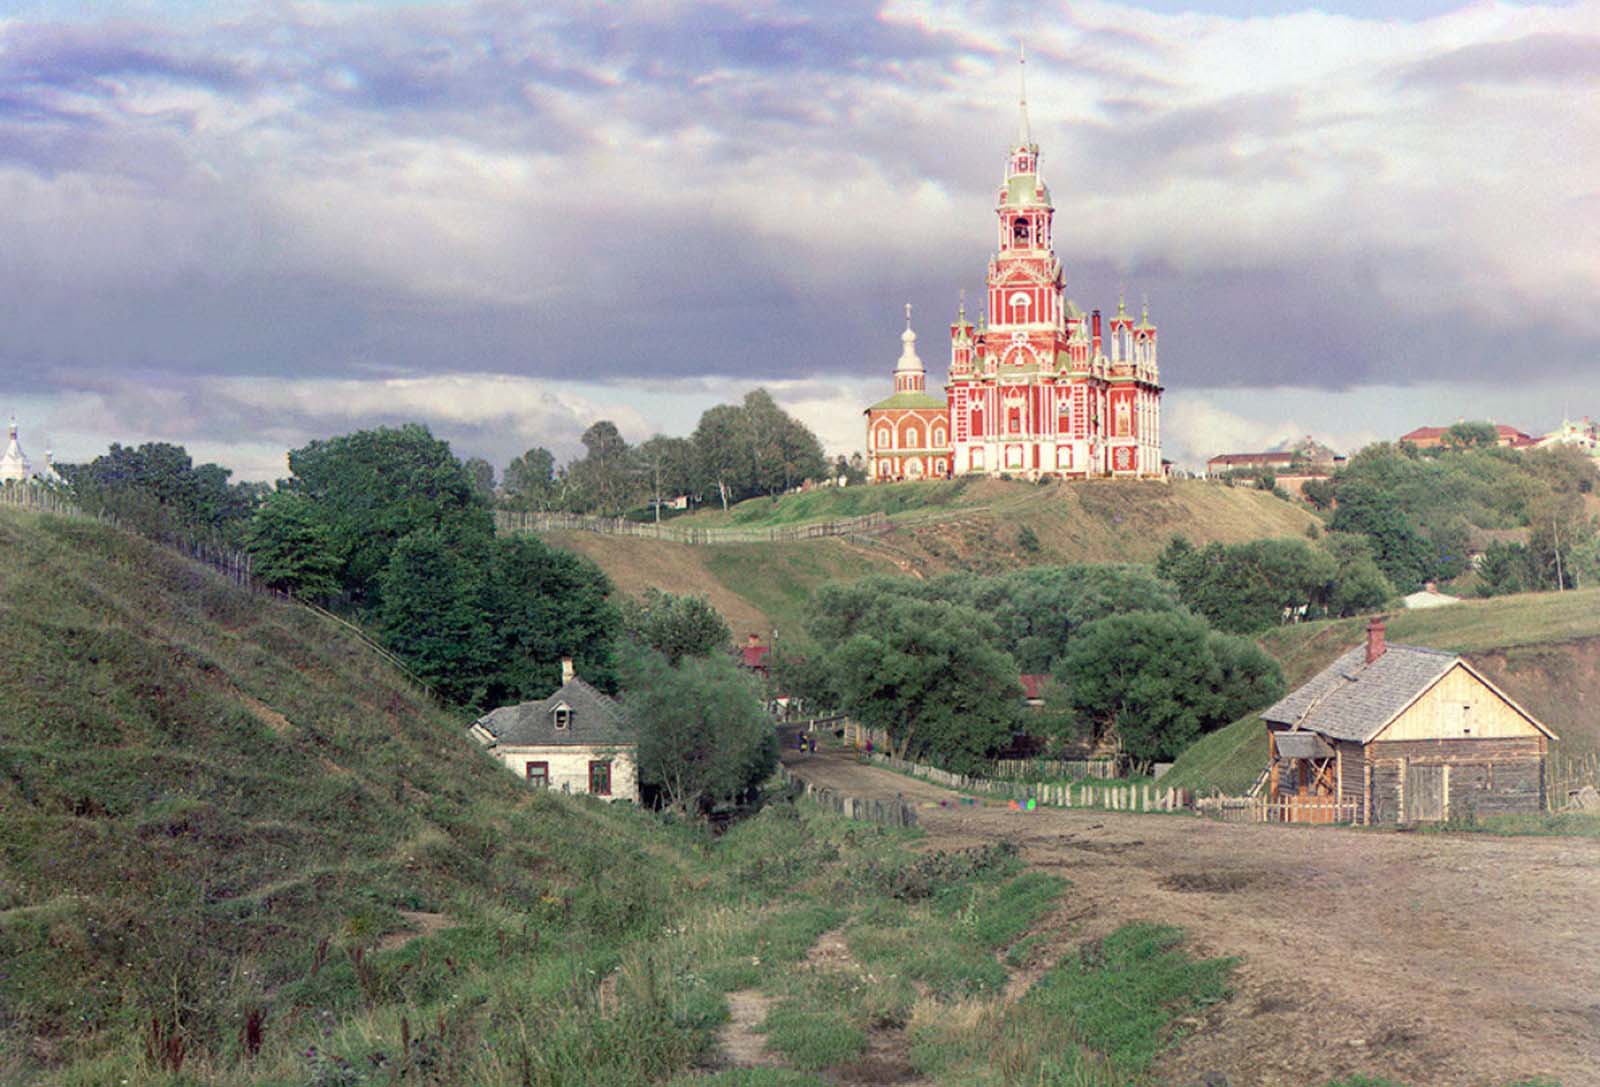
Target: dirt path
{"points": [[1429, 959]]}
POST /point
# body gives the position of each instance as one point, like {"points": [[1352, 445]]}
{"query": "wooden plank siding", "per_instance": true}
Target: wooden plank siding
{"points": [[1459, 705], [1486, 776]]}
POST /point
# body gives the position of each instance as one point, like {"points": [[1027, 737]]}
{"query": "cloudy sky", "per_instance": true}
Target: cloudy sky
{"points": [[239, 226]]}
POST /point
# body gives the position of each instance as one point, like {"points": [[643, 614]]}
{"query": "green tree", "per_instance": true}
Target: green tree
{"points": [[156, 489], [481, 473], [1504, 568], [675, 626], [1249, 587], [530, 480], [1465, 435], [704, 738], [374, 487], [543, 604], [1399, 550], [928, 672], [1359, 586], [666, 469], [605, 480], [291, 547], [432, 615], [1157, 681]]}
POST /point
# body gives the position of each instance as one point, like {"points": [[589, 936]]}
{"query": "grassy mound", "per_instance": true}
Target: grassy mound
{"points": [[982, 525], [215, 805]]}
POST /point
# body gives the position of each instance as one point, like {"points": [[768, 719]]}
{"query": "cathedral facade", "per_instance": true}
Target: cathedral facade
{"points": [[1038, 387]]}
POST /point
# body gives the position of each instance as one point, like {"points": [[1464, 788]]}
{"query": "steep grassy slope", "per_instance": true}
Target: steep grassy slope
{"points": [[1543, 649], [236, 849], [212, 802], [980, 526]]}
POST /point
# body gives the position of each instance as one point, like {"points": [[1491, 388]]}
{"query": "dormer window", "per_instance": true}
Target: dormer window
{"points": [[562, 716]]}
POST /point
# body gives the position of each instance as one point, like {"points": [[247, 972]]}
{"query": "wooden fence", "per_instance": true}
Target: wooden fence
{"points": [[1283, 809], [1047, 769], [513, 522], [1566, 776], [889, 813], [1109, 797], [510, 522]]}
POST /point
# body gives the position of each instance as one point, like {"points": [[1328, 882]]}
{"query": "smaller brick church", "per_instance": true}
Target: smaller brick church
{"points": [[909, 433]]}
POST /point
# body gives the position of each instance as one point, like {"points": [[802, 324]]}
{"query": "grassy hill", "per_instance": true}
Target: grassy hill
{"points": [[237, 848], [1543, 649], [939, 526], [213, 803]]}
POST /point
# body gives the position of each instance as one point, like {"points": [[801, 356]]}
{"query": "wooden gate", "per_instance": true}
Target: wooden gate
{"points": [[1425, 787]]}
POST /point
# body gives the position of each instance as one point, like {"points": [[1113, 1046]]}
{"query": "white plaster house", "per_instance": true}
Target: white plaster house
{"points": [[577, 741]]}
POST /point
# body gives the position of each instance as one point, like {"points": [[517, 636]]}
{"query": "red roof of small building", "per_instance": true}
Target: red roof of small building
{"points": [[1433, 435], [1033, 684], [753, 654]]}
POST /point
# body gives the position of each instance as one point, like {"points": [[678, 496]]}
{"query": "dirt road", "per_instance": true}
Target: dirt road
{"points": [[1428, 959]]}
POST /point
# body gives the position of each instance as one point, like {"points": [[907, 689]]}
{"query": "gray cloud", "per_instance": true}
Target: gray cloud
{"points": [[684, 192]]}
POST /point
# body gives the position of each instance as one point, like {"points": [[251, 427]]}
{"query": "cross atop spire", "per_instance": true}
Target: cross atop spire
{"points": [[1024, 133], [908, 315]]}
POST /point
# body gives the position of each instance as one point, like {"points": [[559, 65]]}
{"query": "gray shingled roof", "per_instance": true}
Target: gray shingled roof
{"points": [[1353, 700], [596, 720]]}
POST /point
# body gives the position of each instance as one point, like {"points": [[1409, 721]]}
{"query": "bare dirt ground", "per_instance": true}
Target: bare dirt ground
{"points": [[1429, 959]]}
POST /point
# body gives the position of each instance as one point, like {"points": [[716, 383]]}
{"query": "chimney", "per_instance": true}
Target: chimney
{"points": [[568, 673], [1375, 646]]}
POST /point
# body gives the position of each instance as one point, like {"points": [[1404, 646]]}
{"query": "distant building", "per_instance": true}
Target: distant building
{"points": [[908, 434], [577, 741], [1431, 437], [1038, 388], [1584, 436], [15, 466], [1429, 596], [755, 656], [1307, 457]]}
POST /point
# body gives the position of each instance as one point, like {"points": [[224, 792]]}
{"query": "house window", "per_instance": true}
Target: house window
{"points": [[563, 717], [600, 777], [539, 774]]}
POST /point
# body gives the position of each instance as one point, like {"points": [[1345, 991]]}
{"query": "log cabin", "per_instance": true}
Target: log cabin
{"points": [[1403, 734]]}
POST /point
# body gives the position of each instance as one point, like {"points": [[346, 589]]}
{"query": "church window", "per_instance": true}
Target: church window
{"points": [[913, 437], [883, 438], [977, 422], [1020, 232], [938, 436]]}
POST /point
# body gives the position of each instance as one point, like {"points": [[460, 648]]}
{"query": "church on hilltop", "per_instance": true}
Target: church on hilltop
{"points": [[1037, 388]]}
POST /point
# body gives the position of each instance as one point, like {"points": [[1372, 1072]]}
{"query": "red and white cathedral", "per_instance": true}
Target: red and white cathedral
{"points": [[1038, 388]]}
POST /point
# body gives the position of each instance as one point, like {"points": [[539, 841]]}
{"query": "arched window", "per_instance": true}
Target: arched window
{"points": [[884, 441], [938, 437], [913, 438]]}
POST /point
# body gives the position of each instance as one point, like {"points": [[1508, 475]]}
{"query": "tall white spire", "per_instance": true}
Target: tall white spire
{"points": [[1024, 133]]}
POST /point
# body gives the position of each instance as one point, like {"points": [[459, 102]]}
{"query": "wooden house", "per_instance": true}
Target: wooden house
{"points": [[1398, 733]]}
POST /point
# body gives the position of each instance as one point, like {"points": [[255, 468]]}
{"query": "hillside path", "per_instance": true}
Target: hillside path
{"points": [[1429, 959]]}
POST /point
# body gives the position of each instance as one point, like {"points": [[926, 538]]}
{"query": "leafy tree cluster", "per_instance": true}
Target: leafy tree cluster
{"points": [[388, 524], [737, 451], [157, 489], [935, 663], [1249, 587], [1421, 509], [1158, 681], [705, 739]]}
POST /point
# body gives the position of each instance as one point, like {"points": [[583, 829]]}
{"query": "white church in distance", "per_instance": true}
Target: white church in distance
{"points": [[15, 466]]}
